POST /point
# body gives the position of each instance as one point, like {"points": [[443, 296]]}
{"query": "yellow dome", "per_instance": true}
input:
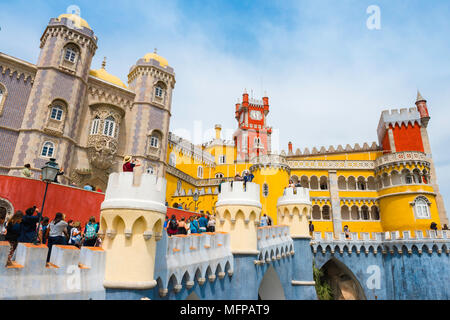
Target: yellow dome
{"points": [[163, 62], [75, 18], [104, 75]]}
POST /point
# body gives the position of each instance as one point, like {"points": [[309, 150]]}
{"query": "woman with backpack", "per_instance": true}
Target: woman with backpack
{"points": [[194, 226], [90, 233], [75, 235], [172, 227], [182, 226], [57, 233], [13, 230]]}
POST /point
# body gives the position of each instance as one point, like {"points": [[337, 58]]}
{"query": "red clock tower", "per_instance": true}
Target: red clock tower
{"points": [[252, 138]]}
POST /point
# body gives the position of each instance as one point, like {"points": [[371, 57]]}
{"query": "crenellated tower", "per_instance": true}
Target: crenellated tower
{"points": [[152, 80], [53, 112], [132, 218]]}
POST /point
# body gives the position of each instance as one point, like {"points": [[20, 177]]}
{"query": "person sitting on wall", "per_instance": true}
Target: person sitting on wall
{"points": [[291, 184], [166, 221], [12, 234], [347, 232], [75, 235], [445, 227], [263, 221], [57, 233], [129, 164], [180, 206], [26, 172], [194, 227], [43, 235], [298, 185], [212, 224], [433, 226], [28, 225], [172, 227], [60, 173]]}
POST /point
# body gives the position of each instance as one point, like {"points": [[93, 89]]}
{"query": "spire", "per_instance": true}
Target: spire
{"points": [[104, 63], [155, 51], [419, 97]]}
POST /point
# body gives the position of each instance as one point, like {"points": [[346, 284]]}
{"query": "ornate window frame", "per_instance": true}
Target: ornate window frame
{"points": [[70, 56], [54, 125], [421, 205], [3, 95], [47, 144], [95, 125], [109, 127]]}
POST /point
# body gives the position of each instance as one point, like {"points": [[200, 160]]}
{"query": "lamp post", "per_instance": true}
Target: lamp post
{"points": [[195, 197], [49, 172]]}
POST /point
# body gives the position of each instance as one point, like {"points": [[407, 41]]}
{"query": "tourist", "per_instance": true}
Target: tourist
{"points": [[263, 221], [166, 221], [75, 235], [60, 172], [291, 184], [347, 232], [28, 225], [13, 234], [129, 164], [26, 172], [180, 206], [88, 187], [220, 184], [311, 228], [182, 226], [445, 227], [188, 225], [433, 226], [69, 229], [250, 176], [238, 177], [269, 221], [203, 223], [298, 184], [212, 224], [43, 234], [194, 226], [57, 233], [98, 189], [2, 223], [90, 233], [172, 226]]}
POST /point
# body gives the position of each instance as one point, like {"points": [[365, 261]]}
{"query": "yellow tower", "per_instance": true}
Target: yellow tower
{"points": [[132, 216], [272, 173], [238, 210], [294, 210]]}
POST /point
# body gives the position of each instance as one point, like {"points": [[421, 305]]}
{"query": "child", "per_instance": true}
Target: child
{"points": [[12, 234], [75, 235]]}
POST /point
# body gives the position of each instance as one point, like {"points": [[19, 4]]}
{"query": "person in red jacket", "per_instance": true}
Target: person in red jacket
{"points": [[129, 164]]}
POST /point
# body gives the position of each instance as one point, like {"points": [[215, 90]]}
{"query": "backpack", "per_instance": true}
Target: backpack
{"points": [[173, 225], [90, 233], [194, 226]]}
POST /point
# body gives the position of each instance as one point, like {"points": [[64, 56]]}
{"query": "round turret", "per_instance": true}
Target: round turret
{"points": [[294, 210]]}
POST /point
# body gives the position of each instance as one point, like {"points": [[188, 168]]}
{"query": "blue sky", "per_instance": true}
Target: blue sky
{"points": [[328, 77]]}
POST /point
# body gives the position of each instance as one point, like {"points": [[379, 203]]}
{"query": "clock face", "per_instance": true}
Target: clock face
{"points": [[256, 115]]}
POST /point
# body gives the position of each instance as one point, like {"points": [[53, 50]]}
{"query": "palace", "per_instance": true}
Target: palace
{"points": [[89, 120]]}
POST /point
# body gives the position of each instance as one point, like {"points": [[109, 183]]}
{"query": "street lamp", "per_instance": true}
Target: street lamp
{"points": [[49, 172], [195, 197]]}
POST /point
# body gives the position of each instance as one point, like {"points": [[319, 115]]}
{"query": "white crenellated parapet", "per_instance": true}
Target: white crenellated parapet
{"points": [[196, 258], [294, 210], [394, 241], [73, 274], [238, 213], [234, 193], [124, 192], [132, 217], [274, 243]]}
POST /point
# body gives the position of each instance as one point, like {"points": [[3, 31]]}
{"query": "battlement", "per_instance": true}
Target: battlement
{"points": [[126, 190], [274, 243], [234, 193], [434, 241], [397, 116], [296, 195], [331, 149], [72, 25], [198, 257], [189, 149], [72, 274]]}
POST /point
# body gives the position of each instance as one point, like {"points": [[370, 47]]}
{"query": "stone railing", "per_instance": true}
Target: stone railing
{"points": [[197, 257], [402, 157], [274, 243], [270, 160], [235, 193], [330, 164], [438, 241]]}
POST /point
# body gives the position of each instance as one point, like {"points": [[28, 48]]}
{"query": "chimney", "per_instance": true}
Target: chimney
{"points": [[290, 147], [218, 129]]}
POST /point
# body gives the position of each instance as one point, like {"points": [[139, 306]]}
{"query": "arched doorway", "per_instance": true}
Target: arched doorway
{"points": [[270, 287], [7, 205], [343, 283]]}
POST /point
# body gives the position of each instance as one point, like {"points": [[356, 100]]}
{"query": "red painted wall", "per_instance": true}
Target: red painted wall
{"points": [[77, 204], [408, 138], [386, 145]]}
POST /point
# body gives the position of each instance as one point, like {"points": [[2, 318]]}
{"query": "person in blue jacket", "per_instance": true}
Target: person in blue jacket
{"points": [[202, 223], [28, 225]]}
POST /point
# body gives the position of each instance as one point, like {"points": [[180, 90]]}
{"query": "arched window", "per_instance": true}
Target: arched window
{"points": [[395, 178], [374, 213], [351, 183], [2, 97], [407, 176], [150, 170], [355, 213], [56, 113], [304, 182], [371, 184], [1, 94], [154, 141], [345, 213], [48, 149], [200, 172], [342, 184], [95, 125], [365, 213], [222, 159], [326, 212], [71, 53], [361, 183], [219, 175], [109, 127], [416, 174], [314, 183], [265, 191], [160, 87], [323, 183], [421, 208], [316, 212], [173, 160], [179, 185]]}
